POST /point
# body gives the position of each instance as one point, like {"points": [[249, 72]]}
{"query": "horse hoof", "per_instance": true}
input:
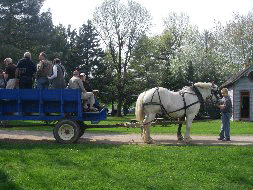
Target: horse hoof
{"points": [[188, 140], [148, 141], [180, 137]]}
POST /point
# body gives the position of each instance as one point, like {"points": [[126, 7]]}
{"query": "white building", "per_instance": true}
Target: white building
{"points": [[240, 89]]}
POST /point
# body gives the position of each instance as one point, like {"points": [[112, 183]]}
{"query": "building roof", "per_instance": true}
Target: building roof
{"points": [[235, 78]]}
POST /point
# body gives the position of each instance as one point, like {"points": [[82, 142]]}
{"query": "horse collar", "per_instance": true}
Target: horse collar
{"points": [[199, 95], [185, 107]]}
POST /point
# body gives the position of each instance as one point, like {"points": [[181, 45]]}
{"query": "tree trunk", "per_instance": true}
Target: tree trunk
{"points": [[120, 101]]}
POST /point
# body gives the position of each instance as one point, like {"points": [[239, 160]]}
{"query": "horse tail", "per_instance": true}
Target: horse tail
{"points": [[139, 108]]}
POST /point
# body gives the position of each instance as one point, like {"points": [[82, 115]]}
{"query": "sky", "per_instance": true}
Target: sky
{"points": [[202, 13]]}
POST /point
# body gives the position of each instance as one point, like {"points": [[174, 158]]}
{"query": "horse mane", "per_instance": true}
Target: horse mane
{"points": [[186, 88], [203, 85]]}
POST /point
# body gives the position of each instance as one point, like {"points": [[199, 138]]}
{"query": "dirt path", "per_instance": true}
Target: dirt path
{"points": [[96, 138]]}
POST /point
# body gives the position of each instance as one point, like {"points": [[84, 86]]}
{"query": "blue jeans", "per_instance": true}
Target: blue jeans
{"points": [[225, 125], [42, 82]]}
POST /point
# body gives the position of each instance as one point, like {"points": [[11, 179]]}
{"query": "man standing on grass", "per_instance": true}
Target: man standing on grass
{"points": [[226, 110]]}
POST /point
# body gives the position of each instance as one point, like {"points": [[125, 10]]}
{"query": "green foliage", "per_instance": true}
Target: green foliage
{"points": [[86, 52], [22, 27], [182, 55], [120, 26]]}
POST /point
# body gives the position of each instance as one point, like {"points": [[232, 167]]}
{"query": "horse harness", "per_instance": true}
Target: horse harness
{"points": [[182, 93]]}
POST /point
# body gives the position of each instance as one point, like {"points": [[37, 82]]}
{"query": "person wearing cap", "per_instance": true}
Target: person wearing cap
{"points": [[25, 71], [57, 78], [10, 70], [44, 70], [86, 83], [76, 83]]}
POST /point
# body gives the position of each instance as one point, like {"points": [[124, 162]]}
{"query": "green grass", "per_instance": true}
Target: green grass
{"points": [[80, 166], [29, 166]]}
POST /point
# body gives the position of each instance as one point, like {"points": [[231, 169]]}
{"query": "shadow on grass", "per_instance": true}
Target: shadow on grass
{"points": [[27, 144], [203, 143], [240, 179], [6, 183]]}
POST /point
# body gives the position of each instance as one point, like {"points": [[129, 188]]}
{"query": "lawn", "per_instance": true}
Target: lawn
{"points": [[84, 166], [29, 166]]}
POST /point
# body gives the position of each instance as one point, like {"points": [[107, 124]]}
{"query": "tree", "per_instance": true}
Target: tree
{"points": [[121, 26], [144, 65], [169, 47], [88, 48], [23, 27], [103, 79], [190, 72], [84, 51], [59, 45], [236, 39]]}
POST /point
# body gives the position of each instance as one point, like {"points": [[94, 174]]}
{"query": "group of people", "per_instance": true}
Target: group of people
{"points": [[46, 75]]}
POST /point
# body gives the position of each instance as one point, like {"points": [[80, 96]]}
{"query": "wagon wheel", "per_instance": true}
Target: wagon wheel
{"points": [[82, 127], [66, 131]]}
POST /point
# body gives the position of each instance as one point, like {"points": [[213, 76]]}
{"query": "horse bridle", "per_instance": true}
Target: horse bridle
{"points": [[215, 93]]}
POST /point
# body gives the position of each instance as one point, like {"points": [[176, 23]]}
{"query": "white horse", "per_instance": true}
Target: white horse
{"points": [[184, 103]]}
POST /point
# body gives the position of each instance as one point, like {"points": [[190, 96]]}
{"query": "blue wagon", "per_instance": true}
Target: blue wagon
{"points": [[63, 106]]}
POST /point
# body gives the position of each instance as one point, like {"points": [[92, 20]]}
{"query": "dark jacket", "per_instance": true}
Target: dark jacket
{"points": [[26, 68], [227, 105]]}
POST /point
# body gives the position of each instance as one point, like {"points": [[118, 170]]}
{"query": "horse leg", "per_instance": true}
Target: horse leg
{"points": [[189, 120], [179, 134], [146, 134], [146, 128]]}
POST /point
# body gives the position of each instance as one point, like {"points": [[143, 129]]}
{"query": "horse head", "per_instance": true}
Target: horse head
{"points": [[214, 97], [209, 91]]}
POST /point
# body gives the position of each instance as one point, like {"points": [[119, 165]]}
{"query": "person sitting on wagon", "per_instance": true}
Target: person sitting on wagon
{"points": [[57, 79], [10, 74], [86, 83], [44, 70], [76, 83], [88, 88]]}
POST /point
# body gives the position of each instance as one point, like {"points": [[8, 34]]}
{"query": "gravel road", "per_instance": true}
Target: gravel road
{"points": [[97, 138]]}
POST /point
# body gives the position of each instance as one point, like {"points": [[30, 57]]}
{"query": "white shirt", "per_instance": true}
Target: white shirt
{"points": [[55, 73], [76, 83]]}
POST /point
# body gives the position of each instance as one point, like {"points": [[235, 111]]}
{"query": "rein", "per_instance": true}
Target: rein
{"points": [[164, 112], [199, 95]]}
